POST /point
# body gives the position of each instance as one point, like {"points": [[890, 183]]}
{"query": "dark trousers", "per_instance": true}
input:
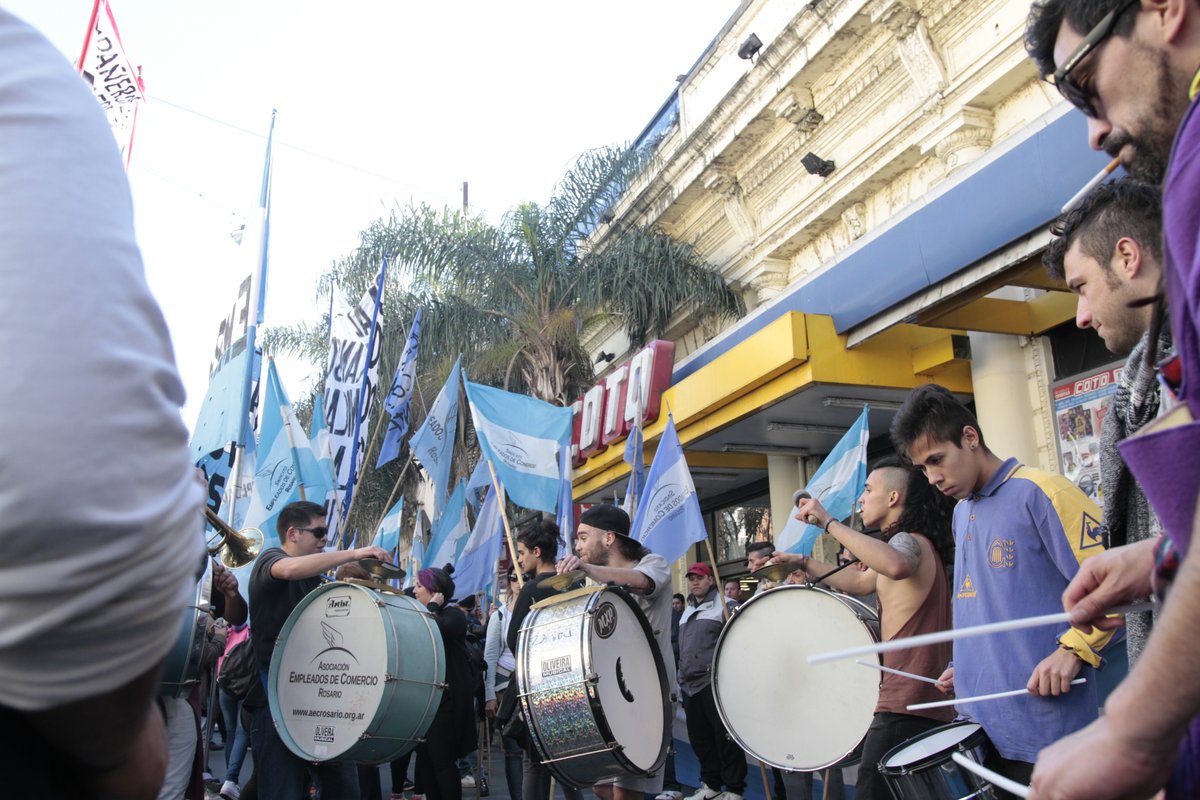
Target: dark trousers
{"points": [[282, 775], [722, 761], [887, 731], [799, 785], [1019, 771], [437, 763]]}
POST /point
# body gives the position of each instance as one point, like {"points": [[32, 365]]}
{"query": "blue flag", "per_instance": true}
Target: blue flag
{"points": [[475, 568], [521, 436], [566, 502], [388, 535], [221, 419], [450, 530], [400, 395], [668, 518], [416, 555], [837, 484], [635, 458], [478, 484], [433, 443]]}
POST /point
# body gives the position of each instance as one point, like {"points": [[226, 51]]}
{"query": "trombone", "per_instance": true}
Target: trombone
{"points": [[236, 548]]}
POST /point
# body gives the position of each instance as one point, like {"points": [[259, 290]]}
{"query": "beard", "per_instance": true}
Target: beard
{"points": [[1151, 145]]}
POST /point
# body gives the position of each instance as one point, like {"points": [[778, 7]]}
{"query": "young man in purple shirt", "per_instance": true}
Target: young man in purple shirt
{"points": [[1020, 535]]}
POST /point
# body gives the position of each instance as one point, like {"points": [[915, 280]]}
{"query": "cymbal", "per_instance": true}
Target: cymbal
{"points": [[775, 572], [381, 570], [565, 580]]}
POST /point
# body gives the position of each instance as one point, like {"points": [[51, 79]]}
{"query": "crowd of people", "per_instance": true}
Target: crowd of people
{"points": [[953, 535]]}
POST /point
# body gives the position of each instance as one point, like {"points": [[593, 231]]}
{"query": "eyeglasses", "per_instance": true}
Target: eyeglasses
{"points": [[319, 532], [1074, 93]]}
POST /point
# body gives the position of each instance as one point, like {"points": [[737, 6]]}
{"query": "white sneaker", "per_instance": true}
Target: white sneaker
{"points": [[230, 790], [669, 794], [704, 793], [729, 796], [468, 782]]}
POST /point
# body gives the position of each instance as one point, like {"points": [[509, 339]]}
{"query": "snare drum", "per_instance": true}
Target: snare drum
{"points": [[794, 715], [183, 665], [922, 767], [357, 674], [593, 687]]}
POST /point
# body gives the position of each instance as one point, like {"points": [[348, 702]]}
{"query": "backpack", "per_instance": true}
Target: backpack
{"points": [[239, 669]]}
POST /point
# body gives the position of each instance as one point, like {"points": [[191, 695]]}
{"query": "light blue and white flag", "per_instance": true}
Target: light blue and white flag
{"points": [[635, 458], [475, 568], [566, 503], [478, 484], [450, 530], [837, 484], [522, 437], [277, 471], [388, 535], [400, 395], [433, 443], [416, 555], [668, 519]]}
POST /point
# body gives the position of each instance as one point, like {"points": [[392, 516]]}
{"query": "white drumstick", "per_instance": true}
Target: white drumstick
{"points": [[994, 696], [963, 633], [995, 778], [901, 673], [1092, 184]]}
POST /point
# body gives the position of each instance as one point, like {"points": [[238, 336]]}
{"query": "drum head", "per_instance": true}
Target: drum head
{"points": [[785, 711], [932, 743], [629, 685], [328, 671]]}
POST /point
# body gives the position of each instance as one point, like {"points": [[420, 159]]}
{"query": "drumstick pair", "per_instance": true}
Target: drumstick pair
{"points": [[956, 701]]}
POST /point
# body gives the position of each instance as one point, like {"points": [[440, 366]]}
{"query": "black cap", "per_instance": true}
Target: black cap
{"points": [[607, 518]]}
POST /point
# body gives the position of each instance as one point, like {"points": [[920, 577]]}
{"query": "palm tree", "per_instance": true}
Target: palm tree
{"points": [[518, 299]]}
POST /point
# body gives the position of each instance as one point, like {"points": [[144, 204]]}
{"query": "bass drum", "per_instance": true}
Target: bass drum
{"points": [[593, 687], [357, 674], [792, 714], [184, 663]]}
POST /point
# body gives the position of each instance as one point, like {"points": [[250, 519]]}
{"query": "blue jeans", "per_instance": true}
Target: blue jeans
{"points": [[237, 738], [282, 775]]}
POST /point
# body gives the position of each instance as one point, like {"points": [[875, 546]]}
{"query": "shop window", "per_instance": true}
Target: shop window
{"points": [[737, 525]]}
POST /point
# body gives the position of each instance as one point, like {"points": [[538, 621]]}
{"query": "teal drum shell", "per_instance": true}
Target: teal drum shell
{"points": [[357, 674], [182, 669]]}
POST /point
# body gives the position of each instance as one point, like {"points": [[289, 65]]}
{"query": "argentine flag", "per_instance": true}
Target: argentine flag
{"points": [[668, 519], [837, 485], [450, 531], [476, 566], [522, 437], [388, 535]]}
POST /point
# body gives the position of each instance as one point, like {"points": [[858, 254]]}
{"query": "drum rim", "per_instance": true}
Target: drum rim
{"points": [[601, 721], [201, 618], [713, 671], [392, 647], [933, 758]]}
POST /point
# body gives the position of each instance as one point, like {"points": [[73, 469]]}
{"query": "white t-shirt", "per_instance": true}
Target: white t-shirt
{"points": [[657, 608], [100, 524]]}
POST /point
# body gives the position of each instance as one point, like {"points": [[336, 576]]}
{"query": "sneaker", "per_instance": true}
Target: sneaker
{"points": [[704, 793], [669, 794], [230, 790], [483, 788], [729, 796], [468, 781]]}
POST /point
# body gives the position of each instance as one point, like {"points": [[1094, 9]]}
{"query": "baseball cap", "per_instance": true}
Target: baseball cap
{"points": [[700, 568]]}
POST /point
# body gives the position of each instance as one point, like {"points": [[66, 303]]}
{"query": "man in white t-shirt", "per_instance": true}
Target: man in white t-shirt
{"points": [[608, 555], [101, 534]]}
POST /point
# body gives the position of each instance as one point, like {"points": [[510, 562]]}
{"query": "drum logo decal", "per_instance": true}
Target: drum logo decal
{"points": [[556, 666], [606, 620], [337, 606], [628, 695], [335, 639], [1002, 554], [323, 733]]}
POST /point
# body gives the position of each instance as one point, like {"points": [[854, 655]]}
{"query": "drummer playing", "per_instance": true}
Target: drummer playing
{"points": [[907, 568], [608, 555]]}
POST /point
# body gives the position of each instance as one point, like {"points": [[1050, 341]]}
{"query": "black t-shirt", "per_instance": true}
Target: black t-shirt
{"points": [[271, 601], [532, 592]]}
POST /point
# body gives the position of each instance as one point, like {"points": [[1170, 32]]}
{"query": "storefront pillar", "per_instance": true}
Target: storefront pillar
{"points": [[783, 477], [999, 372]]}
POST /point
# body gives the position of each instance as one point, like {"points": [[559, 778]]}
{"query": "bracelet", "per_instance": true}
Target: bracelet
{"points": [[830, 522]]}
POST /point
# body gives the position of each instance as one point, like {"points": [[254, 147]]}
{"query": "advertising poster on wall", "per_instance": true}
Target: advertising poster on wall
{"points": [[1080, 405]]}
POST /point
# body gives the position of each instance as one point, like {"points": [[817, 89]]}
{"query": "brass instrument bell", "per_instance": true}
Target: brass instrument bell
{"points": [[235, 548]]}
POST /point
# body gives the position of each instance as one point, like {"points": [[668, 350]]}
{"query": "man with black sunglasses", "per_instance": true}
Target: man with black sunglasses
{"points": [[1132, 68], [282, 576]]}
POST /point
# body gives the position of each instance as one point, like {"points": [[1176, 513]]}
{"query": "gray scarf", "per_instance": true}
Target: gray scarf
{"points": [[1127, 515]]}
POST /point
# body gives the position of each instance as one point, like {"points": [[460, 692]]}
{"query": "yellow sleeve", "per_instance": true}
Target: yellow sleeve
{"points": [[1086, 645]]}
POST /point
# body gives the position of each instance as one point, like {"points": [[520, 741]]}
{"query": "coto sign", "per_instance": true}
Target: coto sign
{"points": [[606, 412]]}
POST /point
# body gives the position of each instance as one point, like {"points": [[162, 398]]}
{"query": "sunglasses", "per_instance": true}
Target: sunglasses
{"points": [[1074, 93], [319, 532]]}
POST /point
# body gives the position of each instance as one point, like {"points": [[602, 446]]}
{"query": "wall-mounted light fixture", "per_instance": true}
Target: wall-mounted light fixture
{"points": [[857, 404], [804, 427], [815, 165], [750, 48]]}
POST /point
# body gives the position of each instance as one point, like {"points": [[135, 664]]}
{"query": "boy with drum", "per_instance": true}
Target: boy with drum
{"points": [[907, 570], [1020, 535]]}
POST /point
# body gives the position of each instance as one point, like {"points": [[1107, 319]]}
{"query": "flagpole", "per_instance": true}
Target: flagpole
{"points": [[508, 534]]}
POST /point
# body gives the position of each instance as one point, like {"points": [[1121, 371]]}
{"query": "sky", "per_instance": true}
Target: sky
{"points": [[380, 103]]}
